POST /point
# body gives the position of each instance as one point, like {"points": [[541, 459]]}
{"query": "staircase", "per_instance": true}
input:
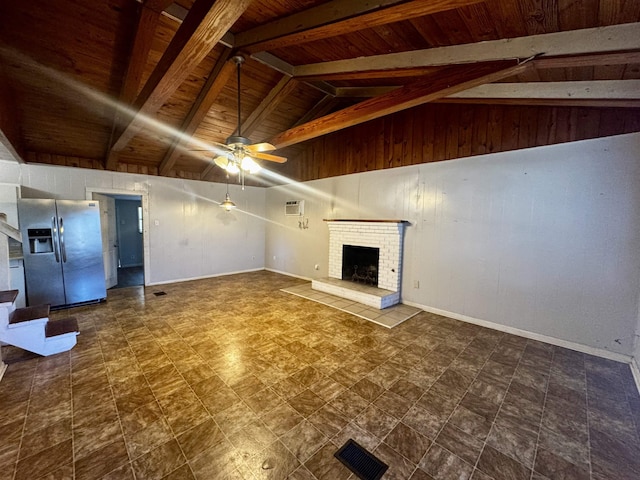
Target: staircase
{"points": [[29, 328]]}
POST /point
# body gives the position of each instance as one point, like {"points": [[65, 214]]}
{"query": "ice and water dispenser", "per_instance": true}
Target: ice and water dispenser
{"points": [[40, 240]]}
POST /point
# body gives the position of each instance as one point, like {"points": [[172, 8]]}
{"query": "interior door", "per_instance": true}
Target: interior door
{"points": [[109, 238]]}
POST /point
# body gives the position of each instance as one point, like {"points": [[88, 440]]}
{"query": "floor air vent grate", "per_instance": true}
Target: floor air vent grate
{"points": [[361, 462], [159, 294]]}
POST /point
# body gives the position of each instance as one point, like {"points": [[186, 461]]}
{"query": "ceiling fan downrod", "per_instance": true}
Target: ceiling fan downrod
{"points": [[238, 138]]}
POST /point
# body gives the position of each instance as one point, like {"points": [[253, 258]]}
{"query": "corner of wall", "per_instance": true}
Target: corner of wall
{"points": [[635, 370], [635, 359]]}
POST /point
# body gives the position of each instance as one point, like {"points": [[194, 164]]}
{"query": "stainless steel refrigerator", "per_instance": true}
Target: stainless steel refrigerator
{"points": [[62, 248]]}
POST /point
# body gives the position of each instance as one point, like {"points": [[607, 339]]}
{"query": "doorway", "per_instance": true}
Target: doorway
{"points": [[124, 243], [129, 245]]}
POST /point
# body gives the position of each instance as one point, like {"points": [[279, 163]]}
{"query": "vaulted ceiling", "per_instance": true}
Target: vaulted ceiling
{"points": [[146, 86]]}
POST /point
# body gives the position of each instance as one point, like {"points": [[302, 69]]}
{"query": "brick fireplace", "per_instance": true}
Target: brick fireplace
{"points": [[385, 235]]}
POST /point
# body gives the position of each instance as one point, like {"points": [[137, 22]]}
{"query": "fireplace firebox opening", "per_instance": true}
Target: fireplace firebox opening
{"points": [[360, 264]]}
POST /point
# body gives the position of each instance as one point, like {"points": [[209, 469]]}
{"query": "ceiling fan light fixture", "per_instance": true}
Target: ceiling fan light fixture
{"points": [[242, 154], [221, 161], [232, 168], [228, 165], [249, 165]]}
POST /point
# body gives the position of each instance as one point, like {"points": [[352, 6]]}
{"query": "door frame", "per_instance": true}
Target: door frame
{"points": [[144, 197]]}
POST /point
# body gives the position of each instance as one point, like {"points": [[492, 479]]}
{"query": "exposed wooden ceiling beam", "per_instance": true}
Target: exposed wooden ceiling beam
{"points": [[147, 22], [363, 92], [337, 17], [218, 78], [324, 106], [178, 13], [406, 73], [575, 42], [285, 68], [203, 27], [589, 60], [587, 90], [584, 93], [546, 102], [281, 91], [449, 80], [562, 61]]}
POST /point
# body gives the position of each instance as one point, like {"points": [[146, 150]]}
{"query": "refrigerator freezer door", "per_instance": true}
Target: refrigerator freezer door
{"points": [[81, 250], [42, 267]]}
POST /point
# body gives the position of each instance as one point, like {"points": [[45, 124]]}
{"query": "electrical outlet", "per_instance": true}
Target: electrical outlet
{"points": [[316, 266], [416, 284]]}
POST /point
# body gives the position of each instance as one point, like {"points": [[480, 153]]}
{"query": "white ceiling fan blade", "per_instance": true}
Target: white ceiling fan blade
{"points": [[269, 157], [260, 147]]}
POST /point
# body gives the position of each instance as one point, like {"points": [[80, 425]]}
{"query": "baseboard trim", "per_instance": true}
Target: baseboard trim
{"points": [[598, 352], [288, 274], [180, 280]]}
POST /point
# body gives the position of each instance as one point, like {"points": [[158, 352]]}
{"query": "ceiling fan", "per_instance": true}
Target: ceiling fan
{"points": [[241, 154]]}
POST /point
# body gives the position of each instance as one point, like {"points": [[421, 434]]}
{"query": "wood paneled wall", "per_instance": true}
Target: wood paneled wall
{"points": [[124, 167], [437, 132]]}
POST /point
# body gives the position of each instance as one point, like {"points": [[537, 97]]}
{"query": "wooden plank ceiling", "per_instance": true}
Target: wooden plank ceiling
{"points": [[144, 86]]}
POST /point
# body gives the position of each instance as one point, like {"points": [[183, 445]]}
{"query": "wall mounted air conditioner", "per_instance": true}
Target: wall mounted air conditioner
{"points": [[294, 207]]}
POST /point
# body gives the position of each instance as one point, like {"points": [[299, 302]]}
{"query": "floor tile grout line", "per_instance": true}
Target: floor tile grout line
{"points": [[24, 424], [113, 396], [73, 449], [405, 414], [544, 405], [586, 396], [206, 409], [175, 437], [493, 422], [457, 405], [370, 403], [399, 342]]}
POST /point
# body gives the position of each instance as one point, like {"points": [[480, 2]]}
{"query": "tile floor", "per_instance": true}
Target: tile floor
{"points": [[130, 276], [388, 317], [230, 378]]}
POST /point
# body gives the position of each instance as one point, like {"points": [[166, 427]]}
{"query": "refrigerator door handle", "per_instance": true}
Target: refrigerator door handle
{"points": [[54, 227], [63, 249]]}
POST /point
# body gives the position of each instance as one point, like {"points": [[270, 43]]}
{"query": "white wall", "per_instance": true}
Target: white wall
{"points": [[544, 240], [189, 235], [636, 356]]}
